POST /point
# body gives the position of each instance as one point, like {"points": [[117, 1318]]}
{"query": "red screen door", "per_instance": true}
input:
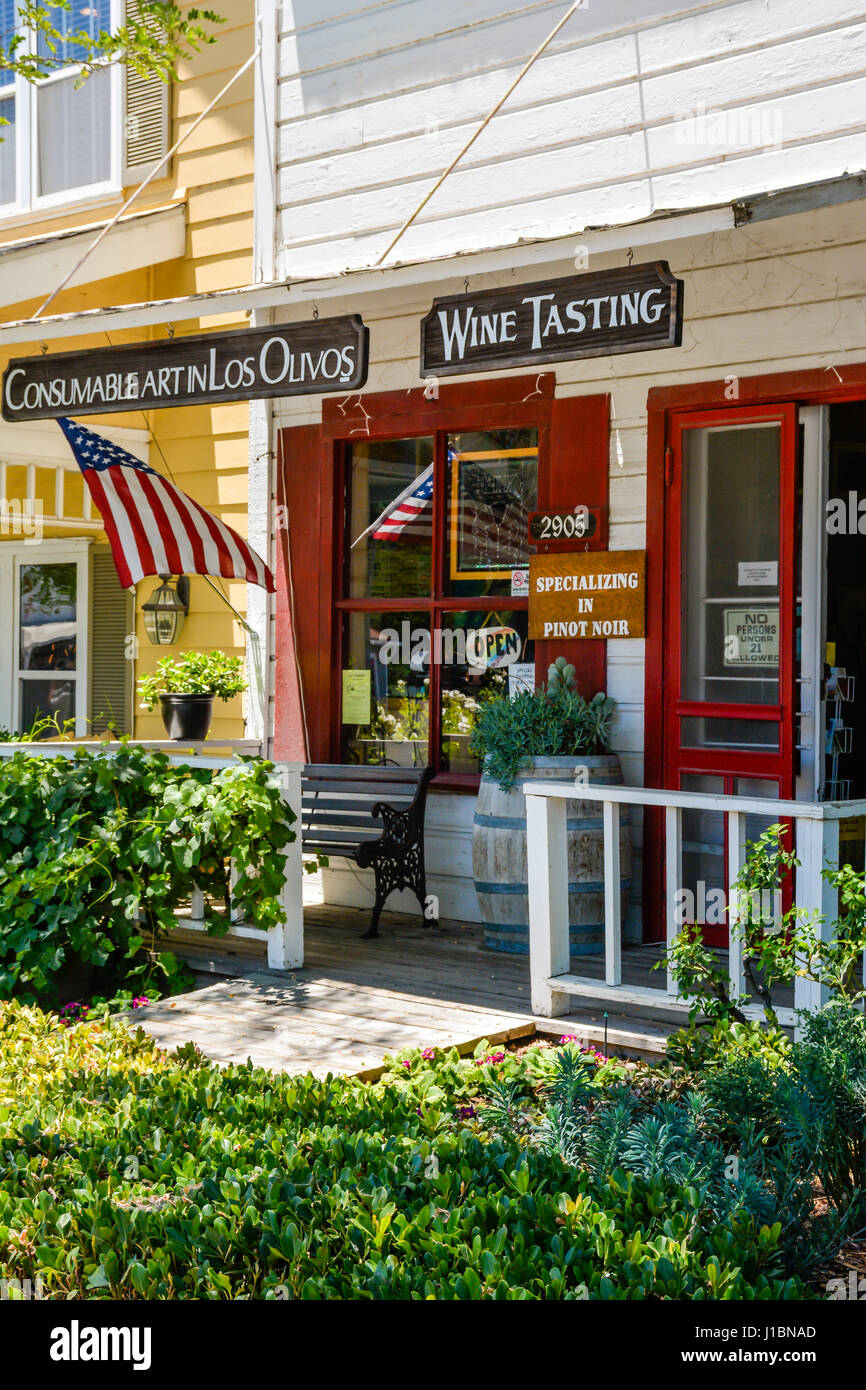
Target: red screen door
{"points": [[730, 599]]}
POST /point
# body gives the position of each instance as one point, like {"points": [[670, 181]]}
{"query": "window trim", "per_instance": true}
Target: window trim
{"points": [[51, 552]]}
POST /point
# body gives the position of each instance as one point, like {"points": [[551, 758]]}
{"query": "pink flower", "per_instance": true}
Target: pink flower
{"points": [[567, 1038], [428, 1054], [140, 1002], [493, 1058], [407, 1065]]}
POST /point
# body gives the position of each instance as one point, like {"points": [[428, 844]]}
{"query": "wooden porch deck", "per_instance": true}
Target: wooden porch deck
{"points": [[356, 1000]]}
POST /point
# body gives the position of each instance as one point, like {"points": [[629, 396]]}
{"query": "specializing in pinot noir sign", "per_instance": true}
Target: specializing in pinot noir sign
{"points": [[285, 360], [626, 310]]}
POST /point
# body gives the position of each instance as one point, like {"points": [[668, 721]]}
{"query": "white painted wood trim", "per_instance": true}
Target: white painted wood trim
{"points": [[809, 897], [698, 801], [612, 897], [736, 859], [547, 863], [673, 881], [642, 995]]}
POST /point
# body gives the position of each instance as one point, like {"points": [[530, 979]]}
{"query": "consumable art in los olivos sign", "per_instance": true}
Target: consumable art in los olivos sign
{"points": [[207, 368]]}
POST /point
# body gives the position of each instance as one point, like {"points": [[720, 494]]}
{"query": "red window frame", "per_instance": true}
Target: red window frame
{"points": [[380, 427], [573, 454]]}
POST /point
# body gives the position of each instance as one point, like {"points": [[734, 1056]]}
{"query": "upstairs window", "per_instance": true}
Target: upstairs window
{"points": [[74, 125], [62, 143]]}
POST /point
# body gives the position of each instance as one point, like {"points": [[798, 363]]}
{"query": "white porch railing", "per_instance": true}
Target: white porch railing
{"points": [[285, 942], [552, 983]]}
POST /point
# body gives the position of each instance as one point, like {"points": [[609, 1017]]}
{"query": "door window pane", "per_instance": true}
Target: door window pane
{"points": [[492, 486], [386, 689], [74, 132], [484, 653], [390, 519], [730, 564], [48, 617], [744, 735]]}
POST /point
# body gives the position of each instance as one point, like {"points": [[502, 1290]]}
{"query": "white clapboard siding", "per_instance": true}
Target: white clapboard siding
{"points": [[770, 296], [638, 106]]}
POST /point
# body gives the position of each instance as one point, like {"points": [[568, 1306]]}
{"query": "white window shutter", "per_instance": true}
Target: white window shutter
{"points": [[146, 119], [112, 617]]}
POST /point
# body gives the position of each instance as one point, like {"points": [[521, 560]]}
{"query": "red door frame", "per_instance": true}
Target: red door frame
{"points": [[678, 761], [815, 386], [772, 766]]}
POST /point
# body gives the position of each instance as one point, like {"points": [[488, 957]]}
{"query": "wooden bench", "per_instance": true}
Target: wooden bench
{"points": [[373, 815]]}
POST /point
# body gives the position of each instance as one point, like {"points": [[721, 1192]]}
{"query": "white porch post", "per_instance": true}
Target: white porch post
{"points": [[736, 859], [612, 897], [547, 861], [817, 849], [286, 942], [673, 879]]}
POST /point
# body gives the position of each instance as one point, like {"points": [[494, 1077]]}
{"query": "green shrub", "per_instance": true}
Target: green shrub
{"points": [[551, 722], [749, 1142], [129, 1174], [811, 1111], [88, 844], [798, 945], [699, 1046]]}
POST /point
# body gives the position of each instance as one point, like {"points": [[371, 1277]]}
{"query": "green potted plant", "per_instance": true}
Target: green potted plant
{"points": [[186, 687], [550, 733]]}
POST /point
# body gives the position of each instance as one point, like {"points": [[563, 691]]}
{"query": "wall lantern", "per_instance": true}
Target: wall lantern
{"points": [[165, 611]]}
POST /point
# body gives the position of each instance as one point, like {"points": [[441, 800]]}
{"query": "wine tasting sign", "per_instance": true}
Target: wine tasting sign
{"points": [[630, 309], [295, 359]]}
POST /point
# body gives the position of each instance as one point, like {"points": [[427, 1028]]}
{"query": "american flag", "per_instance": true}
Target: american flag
{"points": [[409, 517], [491, 518], [152, 526]]}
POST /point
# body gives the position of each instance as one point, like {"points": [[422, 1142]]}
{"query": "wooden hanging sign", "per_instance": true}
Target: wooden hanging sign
{"points": [[591, 594], [629, 309], [295, 359]]}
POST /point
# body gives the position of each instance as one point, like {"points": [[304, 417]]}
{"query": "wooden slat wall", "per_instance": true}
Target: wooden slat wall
{"points": [[376, 99]]}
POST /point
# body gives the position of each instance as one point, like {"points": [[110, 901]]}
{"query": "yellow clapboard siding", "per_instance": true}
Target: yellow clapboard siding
{"points": [[210, 238], [226, 199], [204, 448]]}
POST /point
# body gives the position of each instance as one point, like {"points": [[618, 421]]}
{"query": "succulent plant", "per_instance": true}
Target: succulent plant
{"points": [[561, 676]]}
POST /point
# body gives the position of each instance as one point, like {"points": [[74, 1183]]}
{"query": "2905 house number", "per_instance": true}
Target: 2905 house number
{"points": [[580, 522]]}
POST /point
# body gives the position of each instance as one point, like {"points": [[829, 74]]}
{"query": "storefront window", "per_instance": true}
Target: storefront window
{"points": [[433, 615]]}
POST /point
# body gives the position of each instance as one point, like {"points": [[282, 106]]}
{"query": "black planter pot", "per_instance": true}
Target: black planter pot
{"points": [[187, 716]]}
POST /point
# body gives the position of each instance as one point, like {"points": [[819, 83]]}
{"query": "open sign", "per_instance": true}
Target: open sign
{"points": [[490, 647]]}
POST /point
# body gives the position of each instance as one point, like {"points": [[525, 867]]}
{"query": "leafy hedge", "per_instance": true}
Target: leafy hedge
{"points": [[125, 1173], [89, 843]]}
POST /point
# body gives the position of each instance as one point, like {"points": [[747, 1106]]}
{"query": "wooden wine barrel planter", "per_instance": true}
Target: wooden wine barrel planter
{"points": [[499, 856]]}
